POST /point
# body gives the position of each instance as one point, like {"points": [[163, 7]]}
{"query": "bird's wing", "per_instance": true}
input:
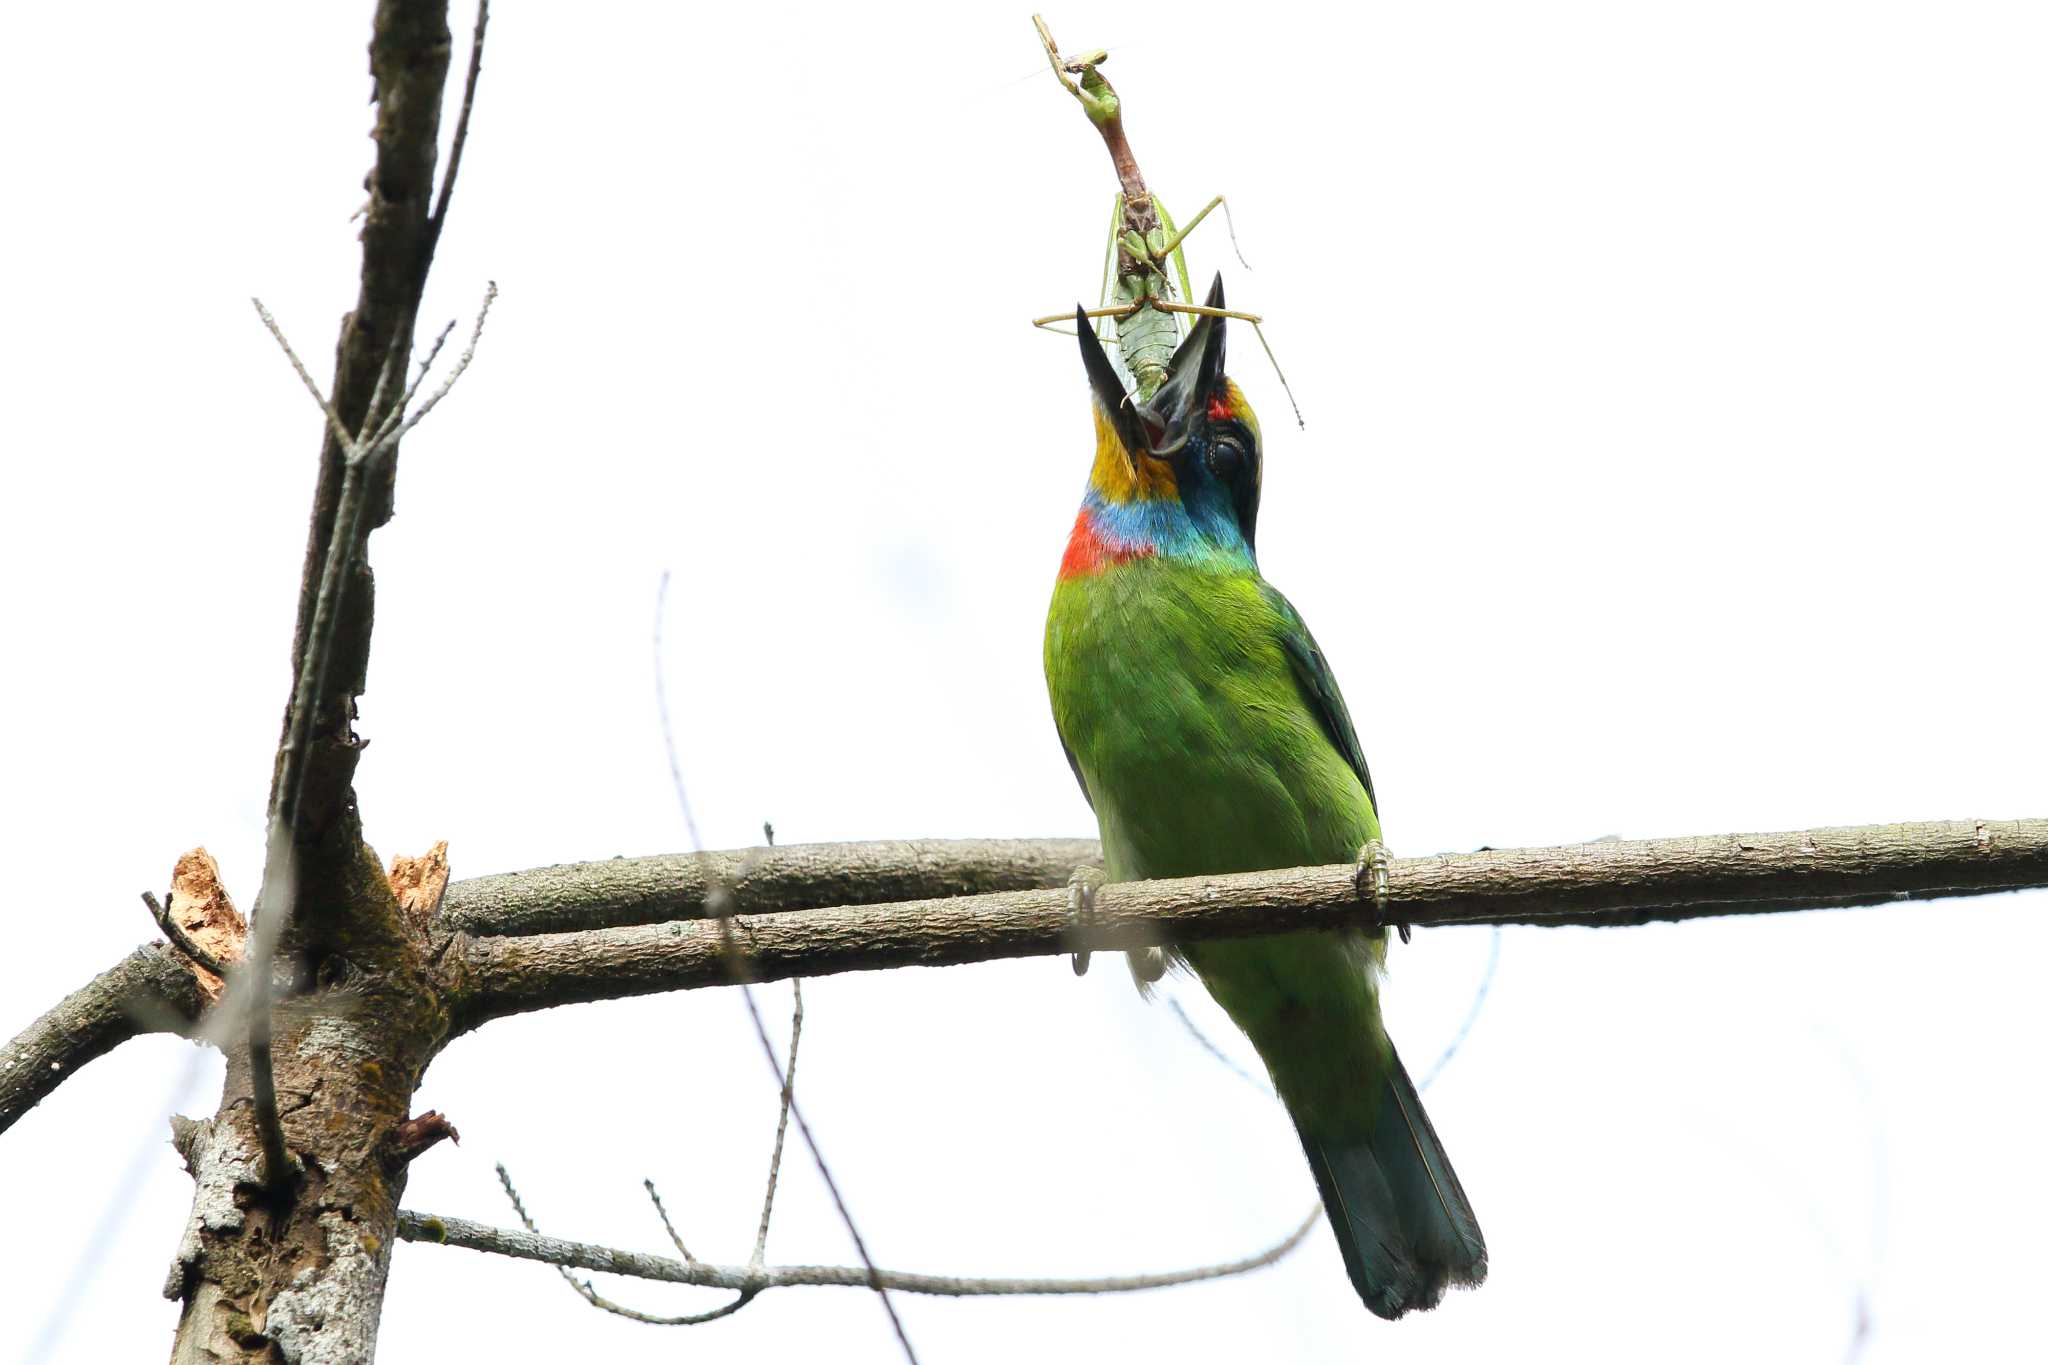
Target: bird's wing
{"points": [[1075, 764], [1319, 687]]}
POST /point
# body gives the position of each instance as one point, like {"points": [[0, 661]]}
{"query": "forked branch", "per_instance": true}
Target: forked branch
{"points": [[754, 1280]]}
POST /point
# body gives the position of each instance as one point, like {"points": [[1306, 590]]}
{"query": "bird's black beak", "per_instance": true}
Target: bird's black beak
{"points": [[1195, 373], [1109, 390]]}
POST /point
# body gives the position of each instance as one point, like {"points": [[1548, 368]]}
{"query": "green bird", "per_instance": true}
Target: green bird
{"points": [[1208, 734]]}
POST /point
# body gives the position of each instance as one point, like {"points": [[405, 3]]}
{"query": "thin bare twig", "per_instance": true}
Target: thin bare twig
{"points": [[120, 1207], [1194, 1031], [754, 1280], [796, 1033], [436, 1228], [439, 218], [1471, 1015], [181, 940], [661, 1211], [388, 374], [333, 418], [398, 410], [461, 365], [736, 964]]}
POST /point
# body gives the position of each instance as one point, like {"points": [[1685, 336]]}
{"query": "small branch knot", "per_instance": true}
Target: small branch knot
{"points": [[416, 1135]]}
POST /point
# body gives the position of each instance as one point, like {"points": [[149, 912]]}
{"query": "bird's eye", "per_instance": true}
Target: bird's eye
{"points": [[1225, 457]]}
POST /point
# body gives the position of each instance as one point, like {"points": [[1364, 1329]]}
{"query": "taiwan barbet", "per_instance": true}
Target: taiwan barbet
{"points": [[1208, 734]]}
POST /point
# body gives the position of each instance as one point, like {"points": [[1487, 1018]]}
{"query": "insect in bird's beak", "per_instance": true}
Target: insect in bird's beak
{"points": [[1160, 427], [1194, 375]]}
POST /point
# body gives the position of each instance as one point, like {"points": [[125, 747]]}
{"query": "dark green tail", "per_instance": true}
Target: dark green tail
{"points": [[1401, 1218]]}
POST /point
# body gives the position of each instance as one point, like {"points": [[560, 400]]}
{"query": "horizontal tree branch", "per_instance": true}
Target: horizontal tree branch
{"points": [[788, 877], [152, 990], [460, 1232], [1608, 883]]}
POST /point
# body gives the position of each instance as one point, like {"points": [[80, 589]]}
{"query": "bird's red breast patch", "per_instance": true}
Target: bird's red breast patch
{"points": [[1088, 553]]}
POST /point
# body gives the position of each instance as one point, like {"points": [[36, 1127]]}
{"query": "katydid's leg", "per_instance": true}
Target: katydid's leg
{"points": [[1173, 242], [1203, 310], [1172, 247], [1122, 310]]}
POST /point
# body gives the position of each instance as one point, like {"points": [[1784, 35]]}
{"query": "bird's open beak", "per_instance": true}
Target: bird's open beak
{"points": [[1195, 374], [1109, 390], [1160, 427]]}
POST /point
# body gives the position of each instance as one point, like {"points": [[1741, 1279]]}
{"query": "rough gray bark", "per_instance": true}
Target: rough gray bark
{"points": [[285, 1258], [298, 1273], [149, 991], [1604, 883]]}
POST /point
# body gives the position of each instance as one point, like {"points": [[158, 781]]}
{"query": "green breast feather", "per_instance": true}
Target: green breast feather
{"points": [[1203, 723]]}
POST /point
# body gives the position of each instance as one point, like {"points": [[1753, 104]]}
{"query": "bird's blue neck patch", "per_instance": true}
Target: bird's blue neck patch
{"points": [[1205, 533]]}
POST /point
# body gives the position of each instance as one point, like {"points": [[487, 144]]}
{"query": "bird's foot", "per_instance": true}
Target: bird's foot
{"points": [[1371, 879], [1081, 889], [1148, 965]]}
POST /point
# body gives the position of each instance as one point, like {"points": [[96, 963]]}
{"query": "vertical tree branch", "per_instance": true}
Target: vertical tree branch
{"points": [[300, 1274]]}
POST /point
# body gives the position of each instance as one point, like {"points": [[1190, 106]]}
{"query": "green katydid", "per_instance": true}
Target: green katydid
{"points": [[1137, 295]]}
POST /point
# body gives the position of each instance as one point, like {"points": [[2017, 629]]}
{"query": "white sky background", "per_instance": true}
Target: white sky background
{"points": [[1674, 465]]}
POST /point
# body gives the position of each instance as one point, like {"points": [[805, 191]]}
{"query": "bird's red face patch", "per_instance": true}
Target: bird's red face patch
{"points": [[1219, 407]]}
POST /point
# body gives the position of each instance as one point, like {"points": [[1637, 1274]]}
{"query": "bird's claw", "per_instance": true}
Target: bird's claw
{"points": [[1371, 880], [1081, 888]]}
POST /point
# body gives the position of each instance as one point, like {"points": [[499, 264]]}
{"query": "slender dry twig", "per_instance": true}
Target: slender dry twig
{"points": [[1471, 1014], [661, 1211], [461, 365], [737, 967], [531, 1246], [439, 218], [584, 1288], [334, 423], [1194, 1031], [181, 940], [388, 374], [588, 1292], [399, 409], [796, 1033], [120, 1206], [749, 1281]]}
